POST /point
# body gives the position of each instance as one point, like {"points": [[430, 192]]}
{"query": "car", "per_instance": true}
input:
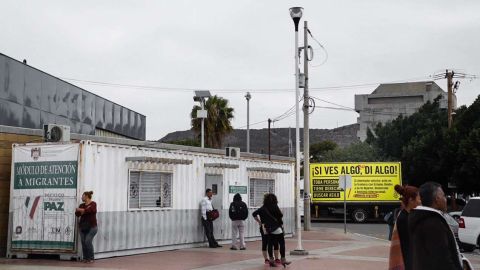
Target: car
{"points": [[452, 222], [455, 214], [469, 225]]}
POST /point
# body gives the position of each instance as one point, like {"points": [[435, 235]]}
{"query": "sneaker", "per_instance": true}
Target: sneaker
{"points": [[233, 248], [243, 248], [267, 261], [278, 262], [219, 245]]}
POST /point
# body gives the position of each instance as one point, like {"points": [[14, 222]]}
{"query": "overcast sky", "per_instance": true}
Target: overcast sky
{"points": [[231, 47]]}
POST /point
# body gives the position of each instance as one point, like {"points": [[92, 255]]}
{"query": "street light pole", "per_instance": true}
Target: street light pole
{"points": [[203, 123], [296, 14], [248, 97]]}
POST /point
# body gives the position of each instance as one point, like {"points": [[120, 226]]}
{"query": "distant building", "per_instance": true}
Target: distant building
{"points": [[389, 101]]}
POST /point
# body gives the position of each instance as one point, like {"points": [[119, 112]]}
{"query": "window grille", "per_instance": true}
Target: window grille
{"points": [[150, 190], [258, 187]]}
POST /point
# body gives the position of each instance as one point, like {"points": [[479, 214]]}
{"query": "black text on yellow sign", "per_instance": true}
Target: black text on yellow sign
{"points": [[370, 181]]}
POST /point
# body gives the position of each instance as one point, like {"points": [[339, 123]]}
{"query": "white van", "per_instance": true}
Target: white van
{"points": [[469, 225]]}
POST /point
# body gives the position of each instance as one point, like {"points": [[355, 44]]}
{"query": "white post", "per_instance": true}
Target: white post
{"points": [[203, 124], [297, 145], [296, 14]]}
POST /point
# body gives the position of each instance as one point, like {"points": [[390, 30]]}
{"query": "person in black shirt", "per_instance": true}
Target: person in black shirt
{"points": [[272, 224], [410, 199], [238, 212]]}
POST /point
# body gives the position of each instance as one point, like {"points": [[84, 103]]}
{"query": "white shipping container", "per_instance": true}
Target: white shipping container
{"points": [[148, 198]]}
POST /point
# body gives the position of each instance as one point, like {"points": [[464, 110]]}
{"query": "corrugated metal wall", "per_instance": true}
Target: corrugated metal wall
{"points": [[105, 171]]}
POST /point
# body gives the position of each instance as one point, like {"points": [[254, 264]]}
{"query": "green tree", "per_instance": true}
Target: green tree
{"points": [[418, 141], [317, 150], [466, 135], [218, 122]]}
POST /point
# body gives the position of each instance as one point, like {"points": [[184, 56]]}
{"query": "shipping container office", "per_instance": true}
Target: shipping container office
{"points": [[148, 198]]}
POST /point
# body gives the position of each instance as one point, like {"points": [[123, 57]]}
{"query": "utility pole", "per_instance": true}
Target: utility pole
{"points": [[449, 76], [269, 135], [306, 137], [248, 97]]}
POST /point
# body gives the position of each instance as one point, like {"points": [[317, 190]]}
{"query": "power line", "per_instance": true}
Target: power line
{"points": [[226, 90], [329, 102]]}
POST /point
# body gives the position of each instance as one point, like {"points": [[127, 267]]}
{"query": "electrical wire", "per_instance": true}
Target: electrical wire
{"points": [[321, 46], [259, 90]]}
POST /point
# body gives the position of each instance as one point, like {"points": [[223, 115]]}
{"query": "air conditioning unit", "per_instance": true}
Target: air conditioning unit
{"points": [[56, 133], [232, 152]]}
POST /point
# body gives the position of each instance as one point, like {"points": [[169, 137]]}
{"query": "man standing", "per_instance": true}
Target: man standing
{"points": [[207, 222], [238, 212], [433, 245]]}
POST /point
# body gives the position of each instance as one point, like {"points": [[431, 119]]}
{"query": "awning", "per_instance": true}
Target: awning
{"points": [[265, 169], [221, 165], [159, 160]]}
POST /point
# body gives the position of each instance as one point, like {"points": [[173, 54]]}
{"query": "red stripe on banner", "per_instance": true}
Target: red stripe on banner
{"points": [[34, 206]]}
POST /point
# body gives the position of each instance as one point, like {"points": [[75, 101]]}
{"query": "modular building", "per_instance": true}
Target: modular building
{"points": [[148, 194]]}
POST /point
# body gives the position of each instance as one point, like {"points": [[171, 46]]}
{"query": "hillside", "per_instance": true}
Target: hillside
{"points": [[343, 136]]}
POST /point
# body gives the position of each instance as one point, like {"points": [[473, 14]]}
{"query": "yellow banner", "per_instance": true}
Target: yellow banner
{"points": [[371, 181]]}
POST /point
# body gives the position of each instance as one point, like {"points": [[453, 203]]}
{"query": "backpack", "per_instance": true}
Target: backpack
{"points": [[238, 211]]}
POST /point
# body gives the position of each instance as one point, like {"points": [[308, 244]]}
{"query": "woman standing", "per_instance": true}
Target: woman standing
{"points": [[272, 224], [87, 211], [410, 199]]}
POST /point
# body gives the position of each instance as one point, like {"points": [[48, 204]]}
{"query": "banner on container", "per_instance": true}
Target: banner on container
{"points": [[44, 180], [371, 181]]}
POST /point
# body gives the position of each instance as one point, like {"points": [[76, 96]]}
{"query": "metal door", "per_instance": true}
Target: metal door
{"points": [[215, 182]]}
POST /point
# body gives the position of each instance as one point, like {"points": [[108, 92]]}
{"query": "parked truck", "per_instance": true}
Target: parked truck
{"points": [[370, 197]]}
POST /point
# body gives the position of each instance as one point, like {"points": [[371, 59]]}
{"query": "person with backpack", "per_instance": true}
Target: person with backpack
{"points": [[238, 213]]}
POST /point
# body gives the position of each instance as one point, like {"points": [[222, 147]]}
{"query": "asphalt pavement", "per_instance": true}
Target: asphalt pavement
{"points": [[376, 230]]}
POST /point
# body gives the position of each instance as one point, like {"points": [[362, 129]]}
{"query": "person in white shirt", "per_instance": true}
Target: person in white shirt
{"points": [[206, 206]]}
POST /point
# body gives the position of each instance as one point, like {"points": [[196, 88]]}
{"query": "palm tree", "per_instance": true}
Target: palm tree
{"points": [[217, 123]]}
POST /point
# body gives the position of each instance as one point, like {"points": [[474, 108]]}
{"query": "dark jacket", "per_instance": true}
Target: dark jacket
{"points": [[432, 242], [238, 210], [404, 235], [272, 218]]}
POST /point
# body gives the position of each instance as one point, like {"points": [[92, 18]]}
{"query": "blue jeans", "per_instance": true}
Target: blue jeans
{"points": [[87, 245]]}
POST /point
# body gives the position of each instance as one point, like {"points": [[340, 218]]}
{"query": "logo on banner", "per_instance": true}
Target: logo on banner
{"points": [[36, 153], [32, 208]]}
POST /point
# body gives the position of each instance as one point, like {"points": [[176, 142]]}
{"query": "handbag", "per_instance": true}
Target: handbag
{"points": [[395, 261], [213, 214]]}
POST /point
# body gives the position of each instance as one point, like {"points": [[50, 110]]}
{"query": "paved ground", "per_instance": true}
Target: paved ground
{"points": [[377, 230], [329, 248]]}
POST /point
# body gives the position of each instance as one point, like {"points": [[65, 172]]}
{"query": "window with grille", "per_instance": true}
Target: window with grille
{"points": [[258, 187], [150, 190]]}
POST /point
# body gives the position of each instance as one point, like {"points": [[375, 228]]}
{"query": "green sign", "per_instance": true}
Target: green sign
{"points": [[49, 174], [238, 189]]}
